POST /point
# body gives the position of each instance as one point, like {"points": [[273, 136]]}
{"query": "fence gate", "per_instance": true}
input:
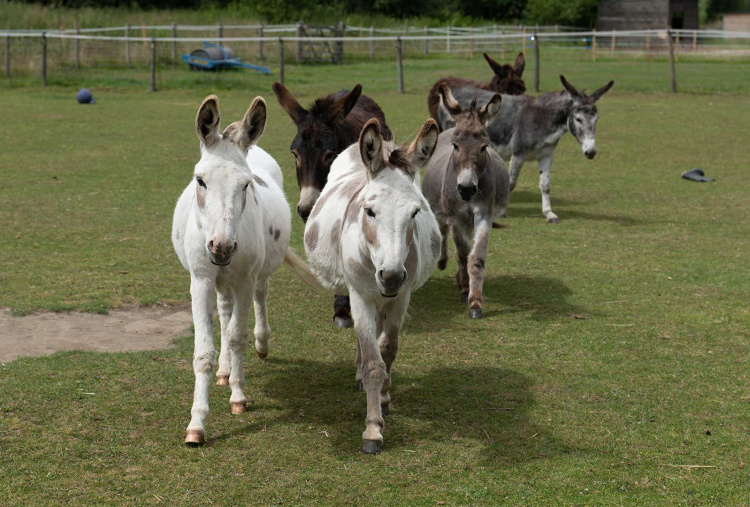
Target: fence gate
{"points": [[312, 50]]}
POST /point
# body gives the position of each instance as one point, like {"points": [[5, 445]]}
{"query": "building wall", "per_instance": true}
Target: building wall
{"points": [[645, 14], [739, 22]]}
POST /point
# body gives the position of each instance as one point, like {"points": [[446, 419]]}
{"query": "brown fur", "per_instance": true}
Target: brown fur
{"points": [[260, 181]]}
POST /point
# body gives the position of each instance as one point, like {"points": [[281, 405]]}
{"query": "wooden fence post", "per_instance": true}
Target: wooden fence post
{"points": [[523, 41], [648, 42], [127, 46], [7, 56], [536, 61], [260, 42], [281, 60], [614, 38], [78, 46], [153, 64], [372, 43], [471, 43], [593, 45], [448, 39], [672, 76], [426, 41], [299, 32], [44, 58], [174, 44], [502, 44], [399, 60], [219, 33], [695, 40]]}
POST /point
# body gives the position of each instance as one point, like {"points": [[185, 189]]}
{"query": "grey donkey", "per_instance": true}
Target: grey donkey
{"points": [[467, 186], [529, 128]]}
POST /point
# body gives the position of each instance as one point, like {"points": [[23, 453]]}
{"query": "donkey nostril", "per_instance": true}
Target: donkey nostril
{"points": [[234, 249], [211, 244], [380, 276]]}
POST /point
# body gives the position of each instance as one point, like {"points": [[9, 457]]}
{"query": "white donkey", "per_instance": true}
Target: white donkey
{"points": [[231, 231], [372, 235]]}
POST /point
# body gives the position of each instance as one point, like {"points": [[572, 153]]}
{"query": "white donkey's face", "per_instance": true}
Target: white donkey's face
{"points": [[222, 176], [584, 115], [391, 201]]}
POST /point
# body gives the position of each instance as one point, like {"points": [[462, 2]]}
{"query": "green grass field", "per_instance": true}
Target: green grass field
{"points": [[529, 406]]}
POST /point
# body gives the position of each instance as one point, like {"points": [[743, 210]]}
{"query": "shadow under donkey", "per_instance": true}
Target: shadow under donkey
{"points": [[483, 403]]}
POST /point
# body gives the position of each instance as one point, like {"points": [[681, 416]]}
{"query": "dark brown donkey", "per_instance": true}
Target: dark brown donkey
{"points": [[467, 187], [507, 80], [329, 126]]}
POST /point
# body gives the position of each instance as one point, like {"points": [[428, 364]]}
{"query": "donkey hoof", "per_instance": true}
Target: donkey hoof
{"points": [[262, 355], [222, 380], [385, 409], [442, 263], [360, 385], [475, 313], [464, 297], [194, 438], [238, 407], [342, 322], [372, 446], [553, 220]]}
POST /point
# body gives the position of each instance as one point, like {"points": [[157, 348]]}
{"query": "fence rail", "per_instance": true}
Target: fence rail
{"points": [[56, 50]]}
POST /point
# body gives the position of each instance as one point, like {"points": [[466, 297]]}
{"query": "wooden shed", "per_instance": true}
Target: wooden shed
{"points": [[647, 14], [736, 22]]}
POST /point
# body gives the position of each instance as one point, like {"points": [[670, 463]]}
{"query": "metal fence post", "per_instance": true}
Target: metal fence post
{"points": [[78, 46], [127, 46], [426, 41], [399, 60], [536, 61], [677, 46], [174, 43], [281, 60], [260, 42], [372, 43], [44, 58], [672, 76], [153, 64], [7, 56]]}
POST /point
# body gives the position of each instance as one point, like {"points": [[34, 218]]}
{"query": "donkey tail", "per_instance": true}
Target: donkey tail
{"points": [[301, 270], [496, 225]]}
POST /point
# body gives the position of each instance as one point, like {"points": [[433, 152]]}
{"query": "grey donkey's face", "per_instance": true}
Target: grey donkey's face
{"points": [[469, 139], [583, 116]]}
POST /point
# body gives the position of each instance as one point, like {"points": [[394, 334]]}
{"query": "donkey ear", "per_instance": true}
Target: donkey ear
{"points": [[601, 91], [500, 70], [447, 100], [287, 101], [423, 147], [520, 63], [488, 112], [371, 147], [207, 121], [251, 127], [345, 104], [571, 89]]}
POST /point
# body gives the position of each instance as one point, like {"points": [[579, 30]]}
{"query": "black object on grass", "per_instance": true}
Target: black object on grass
{"points": [[696, 175]]}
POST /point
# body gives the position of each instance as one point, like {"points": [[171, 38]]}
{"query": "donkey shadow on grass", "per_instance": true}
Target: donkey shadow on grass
{"points": [[445, 404], [569, 209]]}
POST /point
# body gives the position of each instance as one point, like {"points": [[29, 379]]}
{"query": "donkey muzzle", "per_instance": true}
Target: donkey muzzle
{"points": [[466, 191], [220, 252], [390, 281]]}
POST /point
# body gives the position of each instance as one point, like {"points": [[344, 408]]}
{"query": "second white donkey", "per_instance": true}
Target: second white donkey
{"points": [[231, 231]]}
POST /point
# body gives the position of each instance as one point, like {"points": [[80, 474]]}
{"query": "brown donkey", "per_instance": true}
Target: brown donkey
{"points": [[329, 126], [507, 80], [467, 186]]}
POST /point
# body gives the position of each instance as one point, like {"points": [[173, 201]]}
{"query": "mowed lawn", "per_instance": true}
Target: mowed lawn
{"points": [[613, 353]]}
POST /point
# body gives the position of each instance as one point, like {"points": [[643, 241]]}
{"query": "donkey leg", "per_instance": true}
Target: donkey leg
{"points": [[225, 304], [237, 330], [262, 330], [477, 261], [544, 185], [443, 261], [204, 356], [390, 320], [342, 316], [373, 371], [516, 163], [358, 376], [463, 247]]}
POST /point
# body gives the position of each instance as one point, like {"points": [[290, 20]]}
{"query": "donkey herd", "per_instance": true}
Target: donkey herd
{"points": [[374, 233]]}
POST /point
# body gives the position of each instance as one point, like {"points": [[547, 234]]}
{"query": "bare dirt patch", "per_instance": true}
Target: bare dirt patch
{"points": [[132, 329]]}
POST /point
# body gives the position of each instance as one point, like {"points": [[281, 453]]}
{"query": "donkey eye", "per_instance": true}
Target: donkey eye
{"points": [[369, 212], [414, 214], [245, 187], [455, 146], [483, 148], [200, 182], [329, 156], [579, 120]]}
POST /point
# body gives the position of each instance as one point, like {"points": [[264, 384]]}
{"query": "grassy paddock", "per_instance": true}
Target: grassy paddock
{"points": [[528, 406]]}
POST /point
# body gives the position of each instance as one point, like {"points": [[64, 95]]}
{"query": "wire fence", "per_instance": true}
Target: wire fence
{"points": [[153, 54]]}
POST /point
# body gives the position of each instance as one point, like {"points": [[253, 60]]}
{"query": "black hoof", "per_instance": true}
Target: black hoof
{"points": [[385, 409], [360, 385], [553, 220], [372, 446], [475, 313], [464, 297], [342, 322]]}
